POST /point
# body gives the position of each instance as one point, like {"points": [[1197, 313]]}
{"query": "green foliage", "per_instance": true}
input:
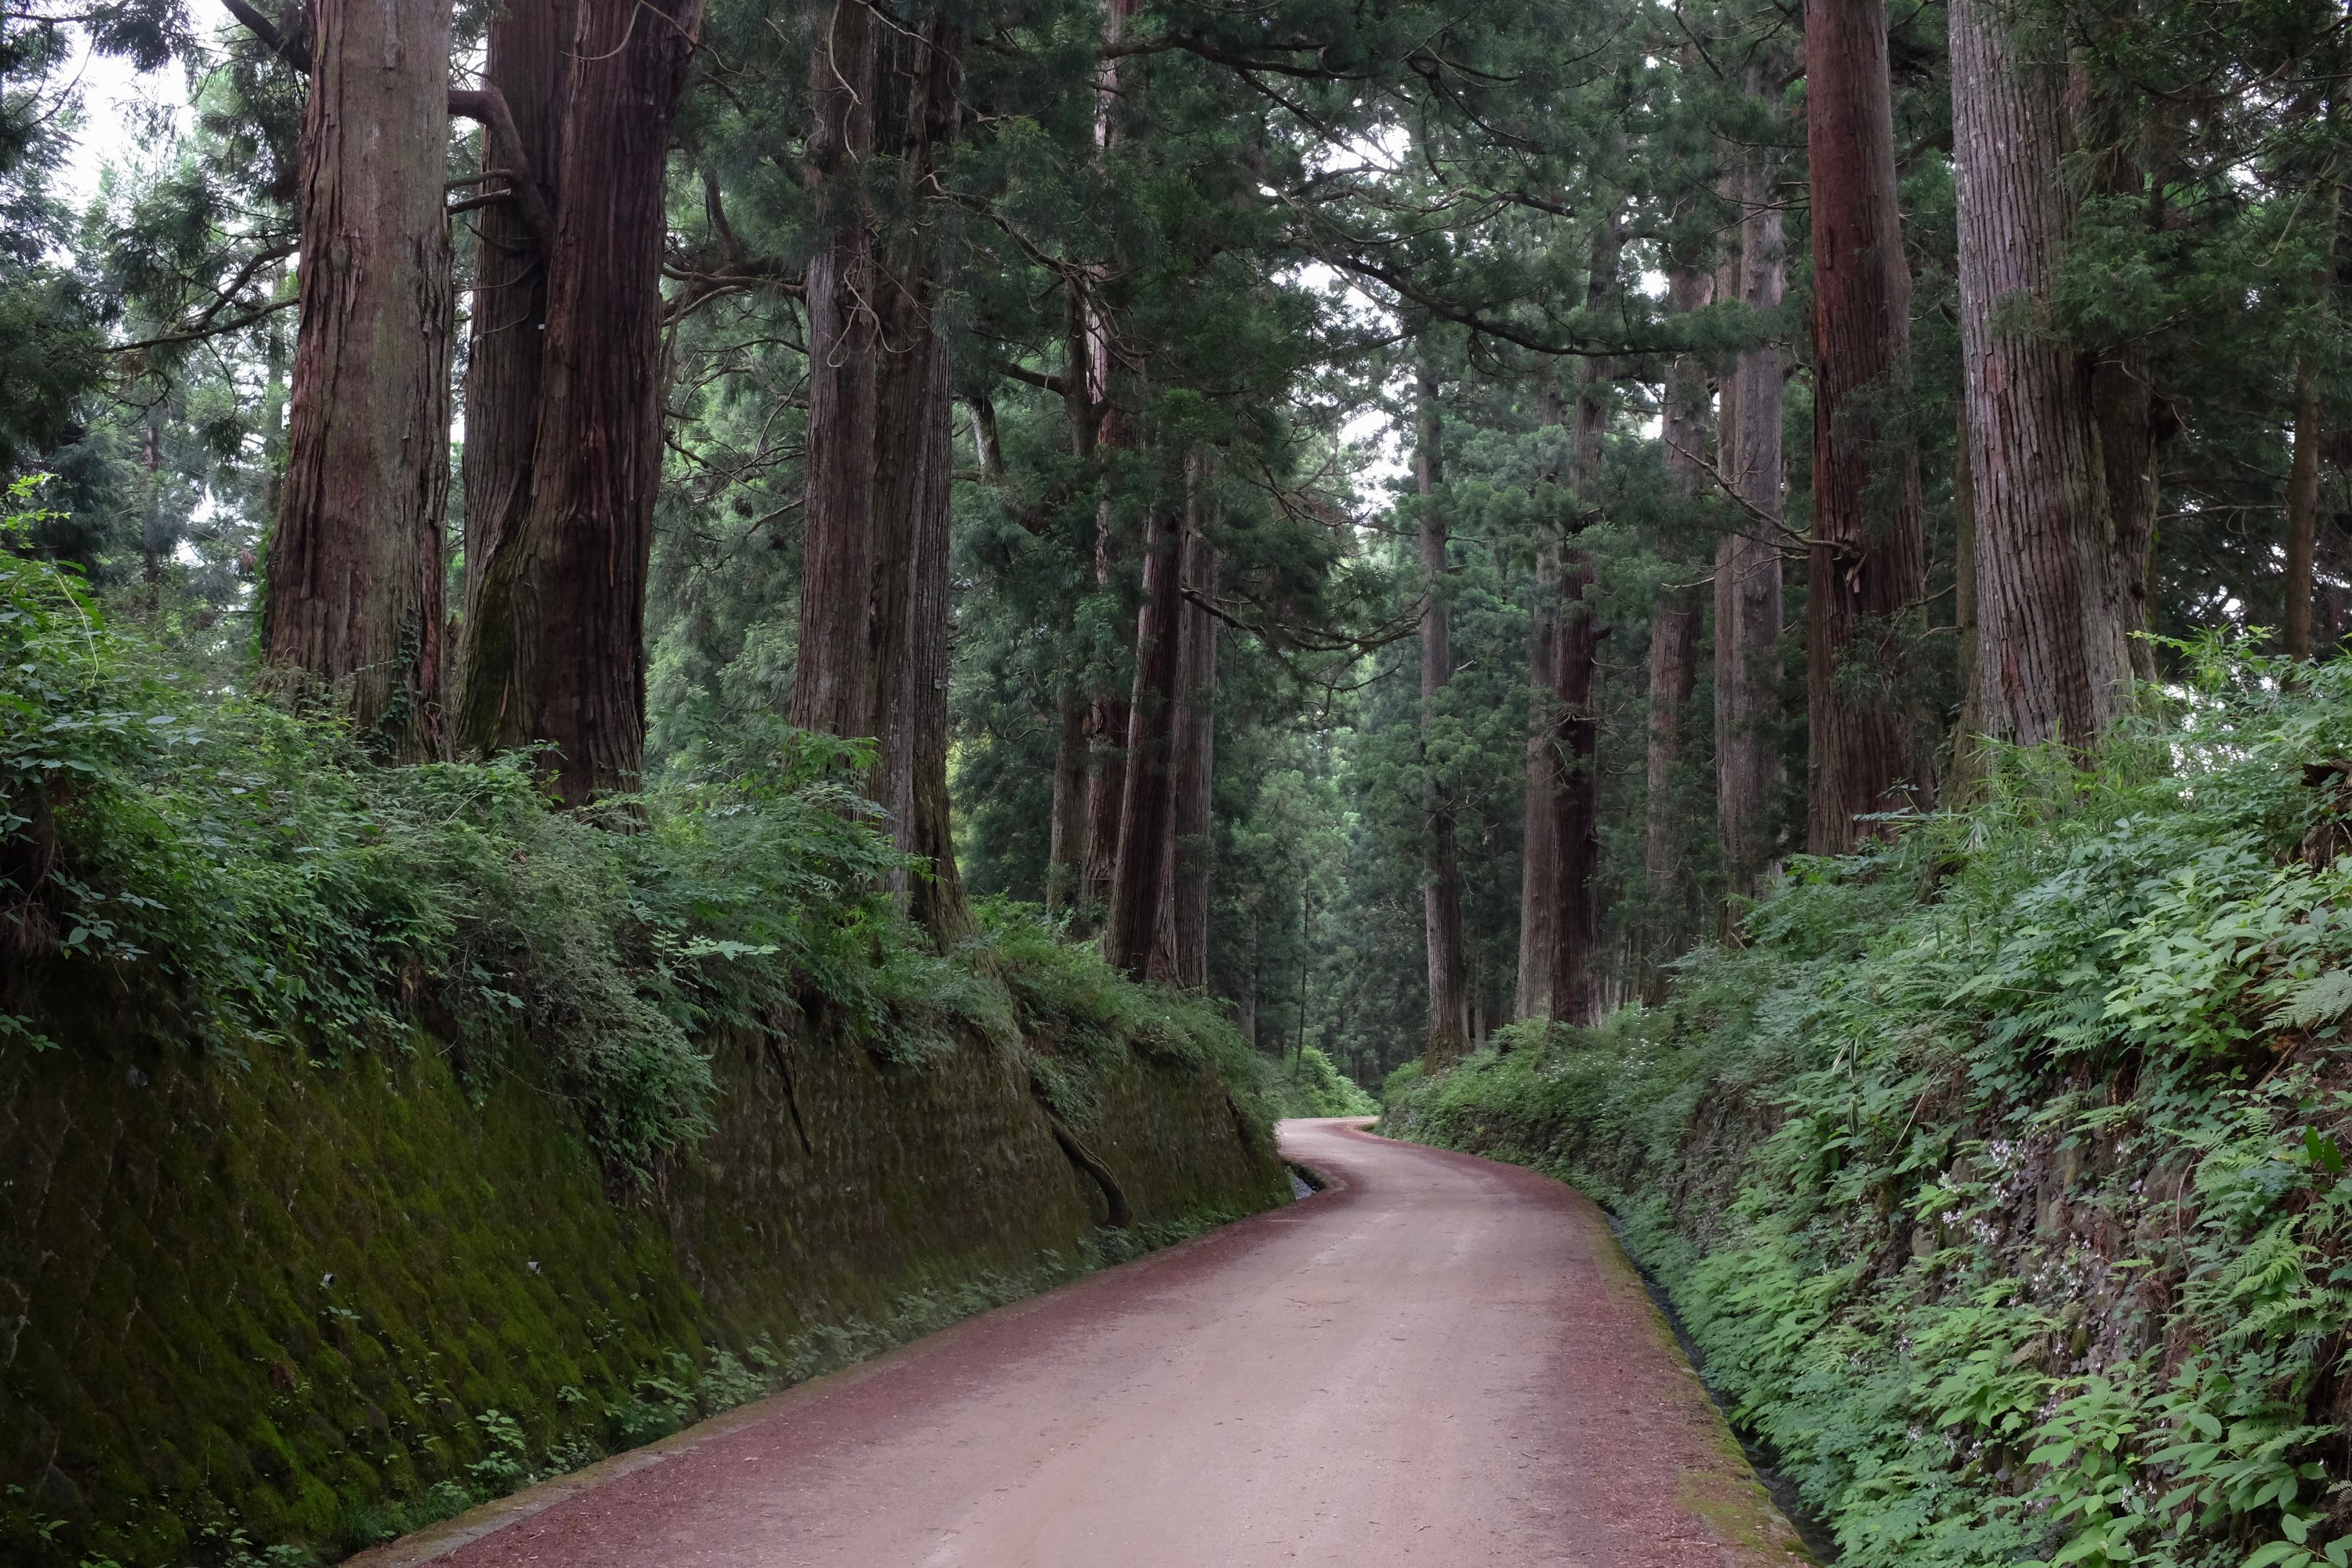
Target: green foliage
{"points": [[1999, 1176], [1311, 1084], [260, 884]]}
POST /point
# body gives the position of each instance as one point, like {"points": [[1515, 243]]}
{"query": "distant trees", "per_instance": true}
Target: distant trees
{"points": [[972, 385]]}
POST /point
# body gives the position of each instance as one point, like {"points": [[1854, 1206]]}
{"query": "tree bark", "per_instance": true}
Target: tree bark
{"points": [[1748, 565], [1966, 771], [354, 595], [1867, 567], [1180, 949], [1674, 645], [2051, 636], [1103, 425], [1576, 816], [555, 647], [1576, 820], [2301, 512], [1447, 1037], [917, 88], [1539, 849], [1140, 881], [833, 678], [528, 66], [1065, 847]]}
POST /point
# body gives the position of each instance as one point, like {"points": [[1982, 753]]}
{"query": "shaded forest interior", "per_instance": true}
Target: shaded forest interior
{"points": [[1399, 518]]}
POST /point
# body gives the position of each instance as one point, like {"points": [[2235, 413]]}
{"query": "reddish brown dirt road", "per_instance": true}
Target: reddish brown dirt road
{"points": [[1445, 1361]]}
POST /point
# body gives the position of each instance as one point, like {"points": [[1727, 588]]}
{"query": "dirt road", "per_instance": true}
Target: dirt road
{"points": [[1444, 1361]]}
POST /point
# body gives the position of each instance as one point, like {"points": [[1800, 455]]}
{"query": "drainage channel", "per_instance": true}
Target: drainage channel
{"points": [[1783, 1491]]}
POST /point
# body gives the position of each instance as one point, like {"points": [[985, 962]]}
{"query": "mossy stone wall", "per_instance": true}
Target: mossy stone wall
{"points": [[269, 1302]]}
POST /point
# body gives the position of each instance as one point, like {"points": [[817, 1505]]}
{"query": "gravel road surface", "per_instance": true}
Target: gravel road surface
{"points": [[1440, 1360]]}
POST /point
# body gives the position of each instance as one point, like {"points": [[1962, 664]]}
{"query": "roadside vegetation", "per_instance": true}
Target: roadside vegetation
{"points": [[1999, 1170], [241, 878]]}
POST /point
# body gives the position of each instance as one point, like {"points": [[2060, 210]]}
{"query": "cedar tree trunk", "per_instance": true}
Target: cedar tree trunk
{"points": [[530, 65], [555, 648], [1180, 948], [1867, 566], [354, 596], [1673, 645], [2051, 639], [1140, 881], [1441, 870], [1748, 778], [2301, 512]]}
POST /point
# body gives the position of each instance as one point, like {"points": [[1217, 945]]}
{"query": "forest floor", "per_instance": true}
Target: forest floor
{"points": [[1439, 1359]]}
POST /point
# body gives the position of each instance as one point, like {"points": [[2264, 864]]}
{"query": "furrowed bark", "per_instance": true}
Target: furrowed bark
{"points": [[556, 649], [1440, 872], [832, 678], [1674, 645], [1576, 823], [1868, 565], [2301, 512], [1180, 946], [529, 64], [1110, 718], [2051, 636], [354, 595], [1066, 844], [1538, 852], [1139, 881], [1748, 565]]}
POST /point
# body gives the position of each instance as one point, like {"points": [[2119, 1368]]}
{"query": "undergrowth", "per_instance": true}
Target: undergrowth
{"points": [[1311, 1084], [245, 878], [2000, 1174]]}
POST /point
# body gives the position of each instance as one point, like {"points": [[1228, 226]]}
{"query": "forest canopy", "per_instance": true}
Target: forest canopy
{"points": [[1399, 518]]}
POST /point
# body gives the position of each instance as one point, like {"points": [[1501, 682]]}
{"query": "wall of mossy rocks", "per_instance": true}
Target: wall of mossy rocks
{"points": [[268, 1309]]}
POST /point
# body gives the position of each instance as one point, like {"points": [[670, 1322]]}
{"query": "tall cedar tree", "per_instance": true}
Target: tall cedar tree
{"points": [[2051, 652], [1747, 561], [554, 652], [1441, 871], [874, 612], [354, 596], [1866, 567]]}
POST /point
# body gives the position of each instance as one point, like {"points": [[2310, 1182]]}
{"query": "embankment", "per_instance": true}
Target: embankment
{"points": [[2000, 1174], [275, 1303]]}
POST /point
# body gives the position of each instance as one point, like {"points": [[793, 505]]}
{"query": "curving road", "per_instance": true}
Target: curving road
{"points": [[1441, 1360]]}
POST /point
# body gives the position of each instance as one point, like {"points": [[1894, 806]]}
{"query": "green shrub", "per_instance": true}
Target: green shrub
{"points": [[256, 881], [1999, 1177], [1310, 1083]]}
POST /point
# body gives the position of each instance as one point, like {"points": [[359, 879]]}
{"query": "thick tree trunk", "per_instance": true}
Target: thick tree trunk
{"points": [[2051, 636], [531, 44], [1576, 964], [1868, 565], [1966, 770], [1539, 849], [874, 617], [1065, 847], [1673, 676], [1140, 878], [1577, 817], [1092, 404], [354, 595], [918, 79], [1674, 646], [2301, 512], [937, 899], [832, 678], [1447, 1037], [1180, 948], [555, 648], [1748, 567]]}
